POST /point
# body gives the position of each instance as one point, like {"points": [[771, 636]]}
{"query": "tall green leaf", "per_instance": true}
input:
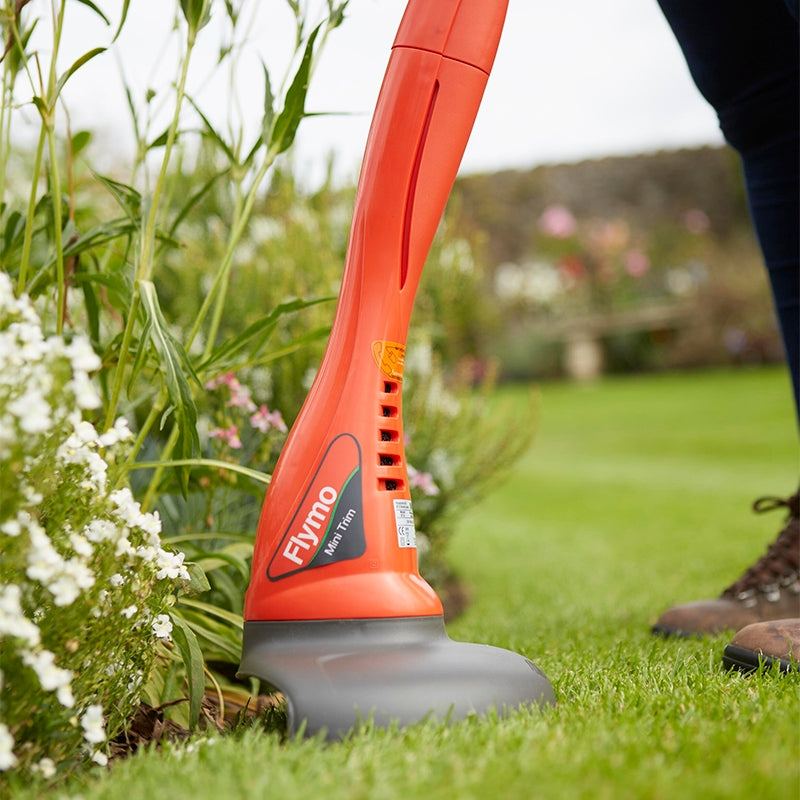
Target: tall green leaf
{"points": [[285, 126], [90, 4], [76, 65], [122, 17], [189, 650], [258, 332], [175, 367]]}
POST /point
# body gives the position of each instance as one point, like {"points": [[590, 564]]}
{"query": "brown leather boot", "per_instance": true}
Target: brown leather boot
{"points": [[767, 643], [768, 590]]}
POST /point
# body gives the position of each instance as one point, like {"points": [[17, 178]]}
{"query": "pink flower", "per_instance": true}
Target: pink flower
{"points": [[557, 221], [228, 379], [240, 398], [696, 221], [228, 435], [423, 481], [636, 263], [264, 419]]}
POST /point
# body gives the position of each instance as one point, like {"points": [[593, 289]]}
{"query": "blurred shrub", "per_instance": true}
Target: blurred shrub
{"points": [[601, 243]]}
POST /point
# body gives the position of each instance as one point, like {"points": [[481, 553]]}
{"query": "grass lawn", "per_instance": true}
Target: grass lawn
{"points": [[635, 496]]}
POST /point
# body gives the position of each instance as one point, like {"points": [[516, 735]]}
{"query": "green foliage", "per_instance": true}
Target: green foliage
{"points": [[85, 585]]}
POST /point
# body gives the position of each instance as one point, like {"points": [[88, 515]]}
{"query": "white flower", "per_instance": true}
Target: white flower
{"points": [[81, 545], [46, 768], [119, 433], [50, 676], [99, 530], [68, 583], [30, 494], [170, 565], [32, 411], [13, 621], [129, 611], [7, 757], [162, 627], [93, 725], [124, 547], [146, 554], [65, 696], [83, 358], [97, 469], [116, 579], [99, 757], [85, 432], [86, 395], [151, 525], [11, 527], [44, 562], [128, 510]]}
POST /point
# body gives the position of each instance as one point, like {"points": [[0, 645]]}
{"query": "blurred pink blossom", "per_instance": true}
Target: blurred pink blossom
{"points": [[264, 419], [422, 480], [228, 379], [557, 221], [228, 435], [240, 395], [636, 263], [696, 221], [240, 398]]}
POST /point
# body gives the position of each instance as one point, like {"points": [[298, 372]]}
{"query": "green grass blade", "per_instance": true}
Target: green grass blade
{"points": [[259, 477], [189, 650], [235, 620]]}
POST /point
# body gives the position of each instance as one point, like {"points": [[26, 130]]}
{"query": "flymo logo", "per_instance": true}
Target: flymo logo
{"points": [[303, 544], [328, 524]]}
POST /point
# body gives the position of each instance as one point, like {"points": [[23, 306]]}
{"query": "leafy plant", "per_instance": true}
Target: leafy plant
{"points": [[86, 587]]}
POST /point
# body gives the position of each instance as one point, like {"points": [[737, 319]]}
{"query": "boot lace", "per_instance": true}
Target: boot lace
{"points": [[779, 568]]}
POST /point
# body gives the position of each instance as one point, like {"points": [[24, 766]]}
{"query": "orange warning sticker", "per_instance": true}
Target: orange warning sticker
{"points": [[389, 356]]}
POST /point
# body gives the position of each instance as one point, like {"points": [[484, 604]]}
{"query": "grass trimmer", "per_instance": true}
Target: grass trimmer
{"points": [[336, 615]]}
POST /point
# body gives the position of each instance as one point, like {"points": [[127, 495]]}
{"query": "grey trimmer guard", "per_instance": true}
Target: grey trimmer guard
{"points": [[335, 673]]}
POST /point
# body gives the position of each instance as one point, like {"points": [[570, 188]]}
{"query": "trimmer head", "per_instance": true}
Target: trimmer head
{"points": [[336, 615], [335, 673]]}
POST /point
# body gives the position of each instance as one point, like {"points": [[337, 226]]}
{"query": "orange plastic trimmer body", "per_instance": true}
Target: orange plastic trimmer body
{"points": [[360, 560], [336, 614]]}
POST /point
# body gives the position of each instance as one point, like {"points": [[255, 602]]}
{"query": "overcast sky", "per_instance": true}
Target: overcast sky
{"points": [[573, 79]]}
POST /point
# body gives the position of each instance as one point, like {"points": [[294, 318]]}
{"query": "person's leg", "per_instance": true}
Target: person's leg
{"points": [[743, 57]]}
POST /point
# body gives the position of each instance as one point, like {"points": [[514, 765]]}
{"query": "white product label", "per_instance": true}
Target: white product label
{"points": [[404, 520]]}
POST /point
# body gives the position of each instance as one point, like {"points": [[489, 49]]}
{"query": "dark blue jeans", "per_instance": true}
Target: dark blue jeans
{"points": [[743, 57]]}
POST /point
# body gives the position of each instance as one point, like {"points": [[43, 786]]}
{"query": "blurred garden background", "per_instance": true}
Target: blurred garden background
{"points": [[179, 298]]}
